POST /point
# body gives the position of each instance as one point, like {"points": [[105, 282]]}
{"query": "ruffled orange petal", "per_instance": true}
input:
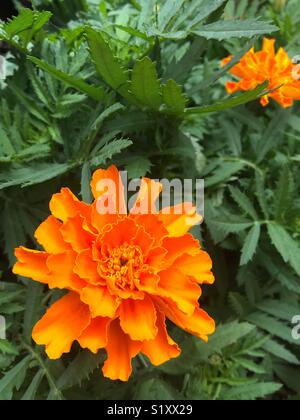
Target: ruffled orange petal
{"points": [[179, 219], [143, 240], [120, 351], [61, 272], [197, 266], [199, 323], [118, 234], [138, 319], [162, 348], [49, 236], [74, 234], [86, 268], [177, 246], [147, 197], [94, 337], [32, 264], [180, 289], [101, 184], [65, 205], [62, 324], [100, 301], [151, 225]]}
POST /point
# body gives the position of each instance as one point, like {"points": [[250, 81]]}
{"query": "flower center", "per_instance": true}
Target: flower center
{"points": [[121, 266]]}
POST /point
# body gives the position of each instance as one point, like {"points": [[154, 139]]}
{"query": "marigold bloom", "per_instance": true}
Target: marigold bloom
{"points": [[257, 67], [125, 274]]}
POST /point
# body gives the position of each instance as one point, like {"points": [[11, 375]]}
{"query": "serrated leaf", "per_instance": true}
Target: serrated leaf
{"points": [[14, 377], [250, 244], [224, 336], [173, 98], [278, 350], [145, 84], [109, 150], [231, 102], [272, 326], [238, 29], [106, 64], [243, 201], [251, 391], [285, 245], [26, 176], [138, 167], [169, 9], [206, 9], [33, 387], [94, 92]]}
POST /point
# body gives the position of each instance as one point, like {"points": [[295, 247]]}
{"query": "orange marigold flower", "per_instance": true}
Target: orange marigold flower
{"points": [[257, 67], [125, 274]]}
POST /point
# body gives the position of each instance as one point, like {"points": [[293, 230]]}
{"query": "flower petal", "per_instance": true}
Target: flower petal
{"points": [[147, 197], [86, 268], [162, 348], [138, 319], [199, 323], [197, 266], [101, 182], [175, 285], [178, 246], [49, 236], [65, 205], [179, 219], [94, 337], [100, 301], [76, 235], [32, 264], [61, 272], [62, 324], [120, 350]]}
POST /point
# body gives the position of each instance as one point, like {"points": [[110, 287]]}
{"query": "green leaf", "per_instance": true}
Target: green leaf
{"points": [[109, 150], [224, 336], [243, 201], [285, 245], [26, 176], [145, 84], [79, 369], [225, 171], [33, 309], [155, 389], [173, 98], [272, 135], [106, 64], [238, 29], [14, 377], [250, 244], [283, 197], [94, 92], [280, 351], [7, 348], [272, 326], [206, 9], [167, 12], [86, 175], [231, 102], [33, 387], [251, 391], [138, 167]]}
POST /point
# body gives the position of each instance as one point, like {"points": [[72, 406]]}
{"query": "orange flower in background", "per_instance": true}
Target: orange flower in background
{"points": [[257, 67], [125, 274]]}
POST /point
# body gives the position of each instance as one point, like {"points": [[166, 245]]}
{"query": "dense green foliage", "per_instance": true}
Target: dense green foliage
{"points": [[89, 79]]}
